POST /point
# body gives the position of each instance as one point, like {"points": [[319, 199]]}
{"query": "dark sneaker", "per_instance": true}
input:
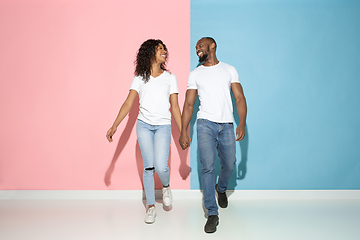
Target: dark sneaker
{"points": [[211, 223], [222, 198]]}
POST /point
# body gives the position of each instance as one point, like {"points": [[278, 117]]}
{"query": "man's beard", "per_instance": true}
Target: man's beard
{"points": [[203, 58]]}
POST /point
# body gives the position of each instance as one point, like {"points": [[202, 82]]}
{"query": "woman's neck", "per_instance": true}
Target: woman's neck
{"points": [[156, 70]]}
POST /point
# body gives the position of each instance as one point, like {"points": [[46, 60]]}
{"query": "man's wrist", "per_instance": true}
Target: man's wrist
{"points": [[242, 124], [183, 131]]}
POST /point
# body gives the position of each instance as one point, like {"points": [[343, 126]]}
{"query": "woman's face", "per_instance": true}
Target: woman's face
{"points": [[160, 54]]}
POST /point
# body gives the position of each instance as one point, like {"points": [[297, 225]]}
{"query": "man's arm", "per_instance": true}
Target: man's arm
{"points": [[241, 108], [188, 109]]}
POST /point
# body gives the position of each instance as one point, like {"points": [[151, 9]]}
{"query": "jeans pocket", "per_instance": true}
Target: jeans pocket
{"points": [[201, 120]]}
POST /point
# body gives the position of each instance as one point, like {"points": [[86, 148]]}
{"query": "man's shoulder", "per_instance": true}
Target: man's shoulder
{"points": [[198, 68], [226, 65], [231, 69], [196, 71]]}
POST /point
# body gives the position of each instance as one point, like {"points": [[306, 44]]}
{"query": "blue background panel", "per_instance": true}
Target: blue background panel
{"points": [[299, 64]]}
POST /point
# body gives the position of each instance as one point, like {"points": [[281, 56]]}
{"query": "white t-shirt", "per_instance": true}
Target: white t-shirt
{"points": [[154, 97], [213, 84]]}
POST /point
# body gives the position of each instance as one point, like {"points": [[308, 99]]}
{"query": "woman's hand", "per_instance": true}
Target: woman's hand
{"points": [[110, 133]]}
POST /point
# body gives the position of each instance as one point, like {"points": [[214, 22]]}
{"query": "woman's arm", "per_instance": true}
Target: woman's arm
{"points": [[124, 110], [175, 109]]}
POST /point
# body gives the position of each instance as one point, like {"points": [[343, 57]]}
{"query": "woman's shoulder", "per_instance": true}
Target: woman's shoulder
{"points": [[169, 75], [137, 78]]}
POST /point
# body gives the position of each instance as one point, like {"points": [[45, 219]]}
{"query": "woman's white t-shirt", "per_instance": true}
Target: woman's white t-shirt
{"points": [[154, 97]]}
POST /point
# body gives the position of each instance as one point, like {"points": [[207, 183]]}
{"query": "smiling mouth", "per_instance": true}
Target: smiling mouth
{"points": [[200, 54]]}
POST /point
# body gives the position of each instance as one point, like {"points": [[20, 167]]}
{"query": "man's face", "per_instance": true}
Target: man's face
{"points": [[202, 49]]}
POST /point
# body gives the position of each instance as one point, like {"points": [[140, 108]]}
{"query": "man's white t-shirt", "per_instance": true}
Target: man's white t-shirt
{"points": [[154, 97], [213, 84]]}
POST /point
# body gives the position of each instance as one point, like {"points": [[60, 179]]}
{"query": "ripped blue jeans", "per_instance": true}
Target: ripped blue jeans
{"points": [[154, 142]]}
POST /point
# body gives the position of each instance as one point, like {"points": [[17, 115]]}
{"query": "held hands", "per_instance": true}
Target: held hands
{"points": [[110, 133], [184, 141], [240, 133]]}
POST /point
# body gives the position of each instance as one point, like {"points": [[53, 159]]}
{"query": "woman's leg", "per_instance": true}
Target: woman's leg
{"points": [[162, 140], [145, 136]]}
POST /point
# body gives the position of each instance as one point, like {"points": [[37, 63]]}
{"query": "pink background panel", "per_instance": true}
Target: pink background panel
{"points": [[66, 68]]}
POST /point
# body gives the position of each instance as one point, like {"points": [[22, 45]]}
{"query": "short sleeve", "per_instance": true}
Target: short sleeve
{"points": [[191, 84], [135, 85], [234, 75], [173, 84]]}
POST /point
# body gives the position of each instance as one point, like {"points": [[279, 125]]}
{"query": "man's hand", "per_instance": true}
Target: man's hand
{"points": [[110, 133], [184, 141], [240, 133]]}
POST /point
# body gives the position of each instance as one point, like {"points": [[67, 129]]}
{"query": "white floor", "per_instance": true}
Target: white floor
{"points": [[123, 219]]}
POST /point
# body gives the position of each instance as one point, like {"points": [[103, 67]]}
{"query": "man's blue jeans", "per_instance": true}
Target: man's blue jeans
{"points": [[214, 136], [154, 142]]}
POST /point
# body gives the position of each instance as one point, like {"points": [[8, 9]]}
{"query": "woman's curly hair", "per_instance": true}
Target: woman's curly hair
{"points": [[145, 57]]}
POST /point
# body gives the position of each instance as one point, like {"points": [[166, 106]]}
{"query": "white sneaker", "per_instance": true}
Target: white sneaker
{"points": [[167, 196], [150, 215]]}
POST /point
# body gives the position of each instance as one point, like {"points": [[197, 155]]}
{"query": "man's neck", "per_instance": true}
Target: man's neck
{"points": [[211, 61]]}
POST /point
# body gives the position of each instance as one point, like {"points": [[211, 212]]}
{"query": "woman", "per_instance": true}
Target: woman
{"points": [[158, 92]]}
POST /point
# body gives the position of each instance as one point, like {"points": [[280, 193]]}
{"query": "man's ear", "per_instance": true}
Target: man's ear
{"points": [[213, 46]]}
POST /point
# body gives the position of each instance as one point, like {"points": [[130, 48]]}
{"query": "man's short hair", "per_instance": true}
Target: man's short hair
{"points": [[212, 41]]}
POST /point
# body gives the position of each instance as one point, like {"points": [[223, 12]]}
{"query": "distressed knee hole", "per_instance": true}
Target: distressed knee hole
{"points": [[149, 169]]}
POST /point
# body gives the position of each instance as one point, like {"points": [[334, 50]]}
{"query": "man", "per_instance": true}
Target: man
{"points": [[212, 81]]}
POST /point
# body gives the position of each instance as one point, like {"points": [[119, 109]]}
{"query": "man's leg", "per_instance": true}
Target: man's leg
{"points": [[206, 134], [226, 149]]}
